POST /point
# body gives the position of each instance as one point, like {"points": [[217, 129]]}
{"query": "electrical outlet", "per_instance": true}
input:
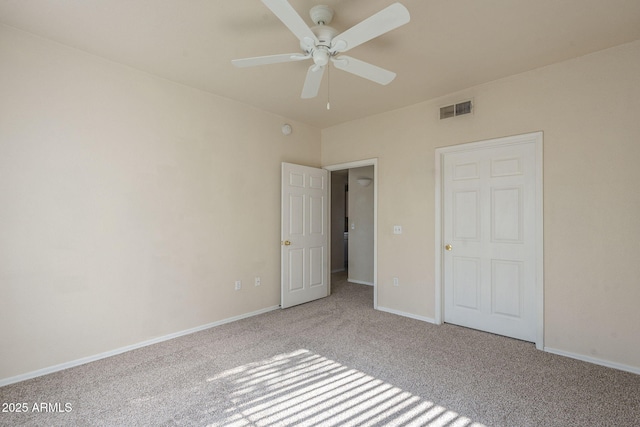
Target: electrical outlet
{"points": [[397, 229], [396, 282], [257, 281], [238, 285]]}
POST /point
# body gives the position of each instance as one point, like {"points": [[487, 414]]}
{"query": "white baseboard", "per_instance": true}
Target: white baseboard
{"points": [[594, 360], [82, 361], [360, 282], [409, 315]]}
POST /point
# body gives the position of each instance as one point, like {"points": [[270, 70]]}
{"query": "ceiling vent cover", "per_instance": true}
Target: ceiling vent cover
{"points": [[455, 110]]}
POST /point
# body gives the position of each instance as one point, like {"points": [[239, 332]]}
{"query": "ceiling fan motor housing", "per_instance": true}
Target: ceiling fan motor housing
{"points": [[325, 34]]}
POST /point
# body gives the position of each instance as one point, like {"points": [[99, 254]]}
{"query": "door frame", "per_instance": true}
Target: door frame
{"points": [[537, 139], [351, 165]]}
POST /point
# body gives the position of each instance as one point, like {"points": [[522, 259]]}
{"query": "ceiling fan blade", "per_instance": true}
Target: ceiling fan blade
{"points": [[364, 69], [312, 82], [269, 59], [386, 20], [289, 17]]}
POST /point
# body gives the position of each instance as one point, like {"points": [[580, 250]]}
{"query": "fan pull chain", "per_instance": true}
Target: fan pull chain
{"points": [[328, 88]]}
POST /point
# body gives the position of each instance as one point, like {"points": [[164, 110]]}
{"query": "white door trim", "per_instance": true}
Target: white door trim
{"points": [[535, 137], [357, 164]]}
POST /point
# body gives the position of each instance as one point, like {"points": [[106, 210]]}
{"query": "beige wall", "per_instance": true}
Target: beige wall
{"points": [[589, 110], [129, 205]]}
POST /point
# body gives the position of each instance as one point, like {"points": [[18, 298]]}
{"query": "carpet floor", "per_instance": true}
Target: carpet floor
{"points": [[332, 362]]}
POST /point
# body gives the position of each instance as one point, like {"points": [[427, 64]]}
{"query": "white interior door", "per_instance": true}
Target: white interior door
{"points": [[305, 234], [489, 229]]}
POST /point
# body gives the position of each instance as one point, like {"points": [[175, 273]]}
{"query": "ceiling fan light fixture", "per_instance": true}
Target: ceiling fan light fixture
{"points": [[321, 57]]}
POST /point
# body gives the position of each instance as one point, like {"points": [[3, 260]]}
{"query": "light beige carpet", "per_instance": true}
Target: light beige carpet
{"points": [[332, 362]]}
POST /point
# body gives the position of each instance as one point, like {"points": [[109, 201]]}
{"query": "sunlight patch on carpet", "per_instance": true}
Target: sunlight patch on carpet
{"points": [[304, 388]]}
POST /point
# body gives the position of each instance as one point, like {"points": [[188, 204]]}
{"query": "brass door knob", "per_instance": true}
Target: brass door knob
{"points": [[448, 247], [286, 243]]}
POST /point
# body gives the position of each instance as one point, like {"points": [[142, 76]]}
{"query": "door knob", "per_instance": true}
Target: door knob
{"points": [[448, 247], [286, 243]]}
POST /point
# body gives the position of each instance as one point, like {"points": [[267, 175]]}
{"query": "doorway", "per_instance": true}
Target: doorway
{"points": [[339, 212], [353, 237]]}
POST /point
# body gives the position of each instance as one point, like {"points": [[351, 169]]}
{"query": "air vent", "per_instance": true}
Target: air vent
{"points": [[455, 110]]}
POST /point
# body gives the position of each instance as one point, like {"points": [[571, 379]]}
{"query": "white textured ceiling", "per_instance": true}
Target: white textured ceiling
{"points": [[449, 45]]}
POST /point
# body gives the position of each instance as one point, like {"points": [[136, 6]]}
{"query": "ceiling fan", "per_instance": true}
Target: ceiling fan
{"points": [[323, 43]]}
